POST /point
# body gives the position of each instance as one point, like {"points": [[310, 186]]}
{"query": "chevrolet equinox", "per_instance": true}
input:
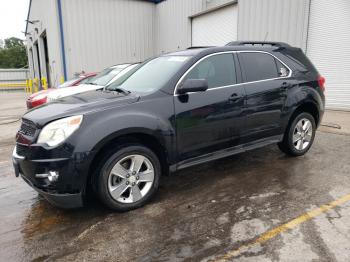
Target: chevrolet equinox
{"points": [[173, 111]]}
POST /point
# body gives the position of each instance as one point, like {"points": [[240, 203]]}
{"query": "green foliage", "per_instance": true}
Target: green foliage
{"points": [[13, 53]]}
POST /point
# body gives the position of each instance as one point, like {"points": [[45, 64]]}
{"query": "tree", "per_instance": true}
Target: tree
{"points": [[13, 53]]}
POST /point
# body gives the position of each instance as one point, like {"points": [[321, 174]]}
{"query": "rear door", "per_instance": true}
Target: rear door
{"points": [[265, 83], [212, 120]]}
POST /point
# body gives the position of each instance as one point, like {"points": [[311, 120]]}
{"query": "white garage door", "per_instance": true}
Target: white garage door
{"points": [[215, 28], [328, 48]]}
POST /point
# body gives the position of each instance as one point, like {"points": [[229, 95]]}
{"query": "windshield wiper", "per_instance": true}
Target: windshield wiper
{"points": [[122, 90], [119, 90]]}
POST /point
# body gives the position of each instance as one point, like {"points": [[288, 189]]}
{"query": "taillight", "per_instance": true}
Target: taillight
{"points": [[321, 82]]}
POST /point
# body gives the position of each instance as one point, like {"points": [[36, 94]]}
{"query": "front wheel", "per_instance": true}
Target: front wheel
{"points": [[299, 135], [129, 178]]}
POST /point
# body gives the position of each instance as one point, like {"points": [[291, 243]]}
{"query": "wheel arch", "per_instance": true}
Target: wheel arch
{"points": [[303, 98], [307, 107], [139, 136]]}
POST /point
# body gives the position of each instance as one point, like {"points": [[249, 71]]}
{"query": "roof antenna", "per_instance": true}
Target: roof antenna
{"points": [[266, 35]]}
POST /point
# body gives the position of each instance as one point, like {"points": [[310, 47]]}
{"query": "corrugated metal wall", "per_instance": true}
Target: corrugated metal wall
{"points": [[105, 32], [173, 25], [46, 12], [329, 48], [220, 25], [274, 20], [102, 33], [13, 75]]}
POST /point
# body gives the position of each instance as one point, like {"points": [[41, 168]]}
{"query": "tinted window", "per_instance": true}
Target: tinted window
{"points": [[258, 66], [218, 70]]}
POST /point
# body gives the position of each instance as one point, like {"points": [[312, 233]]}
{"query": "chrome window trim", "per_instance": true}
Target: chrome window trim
{"points": [[238, 84]]}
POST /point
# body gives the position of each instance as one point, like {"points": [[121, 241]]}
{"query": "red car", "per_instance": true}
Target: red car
{"points": [[40, 97]]}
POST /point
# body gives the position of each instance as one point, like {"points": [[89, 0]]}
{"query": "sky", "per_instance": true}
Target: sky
{"points": [[13, 14]]}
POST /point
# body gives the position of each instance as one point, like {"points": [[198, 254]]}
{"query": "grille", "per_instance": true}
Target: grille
{"points": [[27, 128], [21, 150]]}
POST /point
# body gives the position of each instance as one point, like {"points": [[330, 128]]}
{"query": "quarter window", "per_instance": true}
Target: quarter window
{"points": [[282, 70], [258, 66], [218, 70]]}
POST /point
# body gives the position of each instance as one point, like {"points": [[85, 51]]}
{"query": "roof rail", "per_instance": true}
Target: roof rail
{"points": [[260, 43]]}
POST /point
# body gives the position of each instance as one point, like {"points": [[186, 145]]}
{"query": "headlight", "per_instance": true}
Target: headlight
{"points": [[58, 131]]}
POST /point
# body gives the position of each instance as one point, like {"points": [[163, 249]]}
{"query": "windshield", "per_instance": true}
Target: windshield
{"points": [[125, 74], [106, 75], [151, 76], [68, 83]]}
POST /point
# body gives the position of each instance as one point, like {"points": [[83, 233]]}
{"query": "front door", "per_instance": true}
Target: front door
{"points": [[211, 120]]}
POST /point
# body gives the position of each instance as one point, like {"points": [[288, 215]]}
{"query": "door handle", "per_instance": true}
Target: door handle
{"points": [[234, 97]]}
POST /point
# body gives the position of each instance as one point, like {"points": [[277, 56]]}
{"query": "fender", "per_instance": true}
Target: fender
{"points": [[301, 94], [105, 128]]}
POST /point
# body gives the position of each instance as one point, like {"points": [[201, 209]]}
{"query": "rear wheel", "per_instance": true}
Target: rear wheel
{"points": [[129, 178], [299, 135]]}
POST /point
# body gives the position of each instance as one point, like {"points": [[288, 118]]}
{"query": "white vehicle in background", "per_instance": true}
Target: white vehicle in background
{"points": [[101, 80]]}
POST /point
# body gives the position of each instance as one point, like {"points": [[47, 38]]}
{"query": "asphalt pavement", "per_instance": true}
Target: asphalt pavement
{"points": [[256, 206]]}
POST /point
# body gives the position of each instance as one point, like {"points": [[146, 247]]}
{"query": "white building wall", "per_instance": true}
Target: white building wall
{"points": [[215, 28], [274, 20], [173, 22], [328, 48], [102, 33], [173, 25], [46, 12]]}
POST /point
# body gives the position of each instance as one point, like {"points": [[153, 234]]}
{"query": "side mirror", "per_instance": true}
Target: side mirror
{"points": [[193, 85]]}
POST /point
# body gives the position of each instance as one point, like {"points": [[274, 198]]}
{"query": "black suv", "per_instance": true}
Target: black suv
{"points": [[171, 112]]}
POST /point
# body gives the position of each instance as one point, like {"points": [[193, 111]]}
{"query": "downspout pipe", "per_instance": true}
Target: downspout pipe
{"points": [[60, 19]]}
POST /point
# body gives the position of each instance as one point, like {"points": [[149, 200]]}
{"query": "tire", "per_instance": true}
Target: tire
{"points": [[120, 186], [299, 136]]}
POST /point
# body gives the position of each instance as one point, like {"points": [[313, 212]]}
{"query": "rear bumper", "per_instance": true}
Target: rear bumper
{"points": [[66, 190]]}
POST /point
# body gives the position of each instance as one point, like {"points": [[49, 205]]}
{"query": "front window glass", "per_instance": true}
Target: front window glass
{"points": [[218, 70], [152, 75]]}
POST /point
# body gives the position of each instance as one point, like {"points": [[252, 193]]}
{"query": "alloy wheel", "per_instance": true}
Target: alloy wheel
{"points": [[131, 178], [302, 134]]}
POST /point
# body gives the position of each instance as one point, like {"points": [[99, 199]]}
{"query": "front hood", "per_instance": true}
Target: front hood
{"points": [[42, 92], [79, 104], [72, 90]]}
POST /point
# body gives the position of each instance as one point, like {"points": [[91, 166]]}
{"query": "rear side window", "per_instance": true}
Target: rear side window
{"points": [[258, 66], [218, 70]]}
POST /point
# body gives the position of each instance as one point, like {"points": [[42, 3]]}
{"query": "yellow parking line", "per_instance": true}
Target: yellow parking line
{"points": [[278, 230]]}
